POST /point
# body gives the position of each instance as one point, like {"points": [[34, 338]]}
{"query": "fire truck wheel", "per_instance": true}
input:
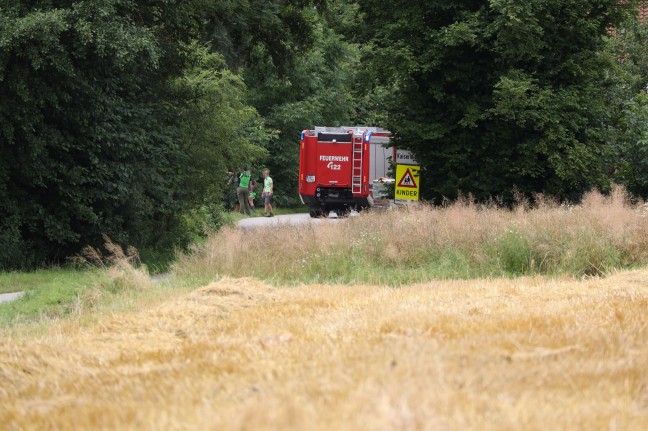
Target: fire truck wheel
{"points": [[316, 212]]}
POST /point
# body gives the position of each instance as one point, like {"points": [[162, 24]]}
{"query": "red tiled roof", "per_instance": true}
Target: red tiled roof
{"points": [[643, 13]]}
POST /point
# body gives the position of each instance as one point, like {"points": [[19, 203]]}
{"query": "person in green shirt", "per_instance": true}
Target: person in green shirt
{"points": [[268, 191], [243, 191]]}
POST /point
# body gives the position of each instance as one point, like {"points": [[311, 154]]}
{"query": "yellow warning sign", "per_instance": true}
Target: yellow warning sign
{"points": [[407, 182]]}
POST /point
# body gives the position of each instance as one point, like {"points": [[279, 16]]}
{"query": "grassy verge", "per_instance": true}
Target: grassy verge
{"points": [[47, 279], [72, 293], [82, 303], [113, 284], [421, 243], [48, 293]]}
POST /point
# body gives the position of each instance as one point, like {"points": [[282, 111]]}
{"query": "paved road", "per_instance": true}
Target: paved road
{"points": [[8, 297], [284, 220]]}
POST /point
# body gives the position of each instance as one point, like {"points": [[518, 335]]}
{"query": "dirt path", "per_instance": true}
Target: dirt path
{"points": [[240, 355]]}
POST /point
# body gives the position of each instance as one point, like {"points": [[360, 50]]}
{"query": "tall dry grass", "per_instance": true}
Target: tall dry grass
{"points": [[414, 244], [120, 275]]}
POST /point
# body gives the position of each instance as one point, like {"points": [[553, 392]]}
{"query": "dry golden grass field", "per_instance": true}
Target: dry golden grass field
{"points": [[520, 354]]}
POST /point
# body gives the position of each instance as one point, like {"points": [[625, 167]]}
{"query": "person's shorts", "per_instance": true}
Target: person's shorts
{"points": [[267, 198]]}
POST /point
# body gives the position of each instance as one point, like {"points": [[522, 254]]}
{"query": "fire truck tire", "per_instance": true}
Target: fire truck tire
{"points": [[316, 212]]}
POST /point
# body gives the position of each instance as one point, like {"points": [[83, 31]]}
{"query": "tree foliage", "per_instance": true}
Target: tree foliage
{"points": [[630, 47], [298, 68], [500, 94], [314, 92], [95, 98], [218, 130]]}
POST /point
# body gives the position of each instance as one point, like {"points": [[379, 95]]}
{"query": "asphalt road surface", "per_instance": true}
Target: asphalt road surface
{"points": [[284, 220]]}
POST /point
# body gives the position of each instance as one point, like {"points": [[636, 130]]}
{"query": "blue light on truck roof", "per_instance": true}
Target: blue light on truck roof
{"points": [[302, 136], [368, 136]]}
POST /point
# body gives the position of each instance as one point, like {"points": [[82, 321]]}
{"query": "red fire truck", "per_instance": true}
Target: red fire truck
{"points": [[339, 165]]}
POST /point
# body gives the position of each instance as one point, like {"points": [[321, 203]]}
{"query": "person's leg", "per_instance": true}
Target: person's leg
{"points": [[268, 205], [246, 195], [240, 192]]}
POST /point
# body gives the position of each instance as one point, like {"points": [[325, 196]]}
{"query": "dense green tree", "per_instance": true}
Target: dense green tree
{"points": [[219, 131], [314, 92], [632, 162], [283, 28], [494, 95], [93, 130], [123, 117], [297, 67], [630, 46]]}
